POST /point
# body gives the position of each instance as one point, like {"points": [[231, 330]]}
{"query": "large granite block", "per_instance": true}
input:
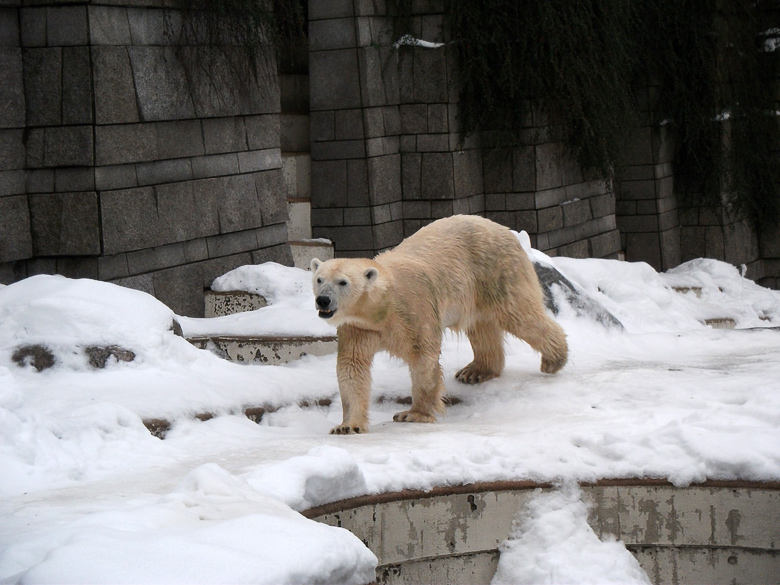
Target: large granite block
{"points": [[179, 139], [68, 146], [164, 171], [12, 149], [32, 26], [115, 177], [259, 160], [125, 143], [329, 183], [224, 135], [270, 195], [66, 26], [239, 207], [12, 182], [437, 176], [108, 25], [74, 179], [384, 179], [430, 75], [262, 131], [76, 86], [12, 90], [161, 84], [322, 9], [148, 26], [335, 76], [467, 173], [336, 33], [214, 165], [43, 86], [15, 237], [115, 98], [373, 75], [65, 224], [9, 27], [232, 243], [357, 183]]}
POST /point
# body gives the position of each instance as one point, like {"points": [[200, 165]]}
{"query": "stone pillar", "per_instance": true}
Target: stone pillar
{"points": [[647, 213]]}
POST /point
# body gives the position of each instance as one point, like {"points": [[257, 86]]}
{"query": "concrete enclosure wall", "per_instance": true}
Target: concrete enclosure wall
{"points": [[133, 154]]}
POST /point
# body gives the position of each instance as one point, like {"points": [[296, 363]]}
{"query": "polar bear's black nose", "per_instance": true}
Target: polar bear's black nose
{"points": [[323, 302]]}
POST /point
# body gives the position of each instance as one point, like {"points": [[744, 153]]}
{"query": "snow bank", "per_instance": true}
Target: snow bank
{"points": [[554, 544], [290, 309], [68, 315], [212, 528]]}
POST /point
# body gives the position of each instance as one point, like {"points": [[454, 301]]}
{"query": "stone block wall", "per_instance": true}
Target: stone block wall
{"points": [[131, 156], [388, 156], [647, 209]]}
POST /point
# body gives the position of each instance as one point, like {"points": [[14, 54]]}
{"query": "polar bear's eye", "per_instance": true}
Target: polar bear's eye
{"points": [[342, 283], [319, 281]]}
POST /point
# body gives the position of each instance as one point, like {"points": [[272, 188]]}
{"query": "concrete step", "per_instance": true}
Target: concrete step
{"points": [[715, 322], [265, 350], [219, 304], [304, 250]]}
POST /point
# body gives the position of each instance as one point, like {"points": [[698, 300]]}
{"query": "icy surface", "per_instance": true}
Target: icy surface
{"points": [[82, 478]]}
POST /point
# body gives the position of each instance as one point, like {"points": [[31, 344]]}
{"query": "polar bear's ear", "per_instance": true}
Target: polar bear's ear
{"points": [[371, 274], [315, 263]]}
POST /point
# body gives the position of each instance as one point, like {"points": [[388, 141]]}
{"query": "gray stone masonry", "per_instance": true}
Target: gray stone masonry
{"points": [[388, 156], [130, 157]]}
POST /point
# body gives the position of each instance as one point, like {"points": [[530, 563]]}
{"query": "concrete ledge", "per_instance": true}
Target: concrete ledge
{"points": [[714, 532], [218, 304], [265, 350]]}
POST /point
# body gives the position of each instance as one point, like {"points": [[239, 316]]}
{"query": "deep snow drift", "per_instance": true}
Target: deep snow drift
{"points": [[88, 495]]}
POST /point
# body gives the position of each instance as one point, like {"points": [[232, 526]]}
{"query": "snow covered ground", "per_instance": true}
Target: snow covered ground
{"points": [[87, 495]]}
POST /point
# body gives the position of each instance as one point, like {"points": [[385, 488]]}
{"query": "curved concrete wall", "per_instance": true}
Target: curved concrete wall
{"points": [[716, 532]]}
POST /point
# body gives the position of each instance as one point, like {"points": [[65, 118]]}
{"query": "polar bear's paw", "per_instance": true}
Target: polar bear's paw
{"points": [[414, 416], [349, 429], [473, 374]]}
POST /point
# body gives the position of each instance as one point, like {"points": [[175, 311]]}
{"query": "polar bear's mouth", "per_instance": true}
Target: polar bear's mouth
{"points": [[327, 314]]}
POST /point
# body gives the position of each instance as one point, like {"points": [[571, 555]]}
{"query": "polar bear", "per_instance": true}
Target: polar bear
{"points": [[463, 272]]}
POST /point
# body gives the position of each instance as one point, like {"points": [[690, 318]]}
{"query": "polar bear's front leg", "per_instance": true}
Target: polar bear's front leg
{"points": [[427, 391], [356, 350]]}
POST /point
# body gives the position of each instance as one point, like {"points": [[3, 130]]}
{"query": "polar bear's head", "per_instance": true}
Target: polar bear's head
{"points": [[342, 288]]}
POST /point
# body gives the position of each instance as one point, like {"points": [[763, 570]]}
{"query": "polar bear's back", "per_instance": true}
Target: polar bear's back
{"points": [[468, 260]]}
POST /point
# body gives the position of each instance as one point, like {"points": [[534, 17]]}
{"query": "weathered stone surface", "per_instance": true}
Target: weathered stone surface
{"points": [[38, 356], [322, 9], [74, 179], [76, 86], [437, 176], [160, 83], [179, 138], [9, 27], [68, 146], [108, 25], [115, 99], [125, 143], [337, 33], [66, 26], [99, 355], [215, 165], [12, 149], [12, 90], [270, 194], [335, 75], [430, 75], [384, 179], [15, 238], [43, 85], [65, 224], [164, 171], [262, 131], [224, 135], [329, 183]]}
